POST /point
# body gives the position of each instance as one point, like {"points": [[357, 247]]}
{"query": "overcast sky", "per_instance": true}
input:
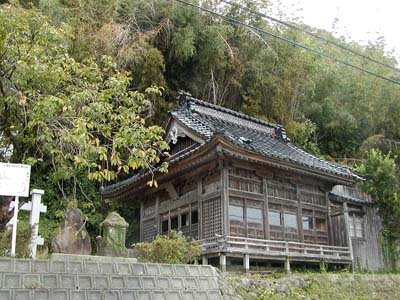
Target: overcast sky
{"points": [[362, 20]]}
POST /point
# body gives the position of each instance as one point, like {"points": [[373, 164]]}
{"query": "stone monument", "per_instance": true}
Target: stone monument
{"points": [[112, 242], [72, 237]]}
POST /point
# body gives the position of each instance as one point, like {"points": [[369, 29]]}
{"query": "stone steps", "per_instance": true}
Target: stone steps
{"points": [[104, 278]]}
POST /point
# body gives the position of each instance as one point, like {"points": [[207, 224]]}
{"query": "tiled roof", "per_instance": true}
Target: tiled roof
{"points": [[145, 172], [349, 199], [266, 139]]}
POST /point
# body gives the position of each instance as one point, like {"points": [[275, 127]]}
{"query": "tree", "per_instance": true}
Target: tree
{"points": [[72, 121], [381, 181]]}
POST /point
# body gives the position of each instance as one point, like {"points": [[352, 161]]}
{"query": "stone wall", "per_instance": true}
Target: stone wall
{"points": [[67, 277]]}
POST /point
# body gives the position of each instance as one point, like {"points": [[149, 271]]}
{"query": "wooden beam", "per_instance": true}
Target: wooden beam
{"points": [[171, 191]]}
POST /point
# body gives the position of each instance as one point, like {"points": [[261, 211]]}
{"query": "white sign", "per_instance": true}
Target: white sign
{"points": [[14, 179]]}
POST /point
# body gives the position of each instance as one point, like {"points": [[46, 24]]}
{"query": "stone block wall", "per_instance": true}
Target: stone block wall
{"points": [[72, 278]]}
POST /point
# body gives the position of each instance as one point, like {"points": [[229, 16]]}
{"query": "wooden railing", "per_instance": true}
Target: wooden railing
{"points": [[274, 248]]}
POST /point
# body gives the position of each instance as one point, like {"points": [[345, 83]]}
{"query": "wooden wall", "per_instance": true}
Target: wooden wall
{"points": [[190, 204], [367, 252], [232, 198]]}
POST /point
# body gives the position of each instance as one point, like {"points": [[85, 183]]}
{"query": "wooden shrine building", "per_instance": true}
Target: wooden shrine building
{"points": [[239, 186]]}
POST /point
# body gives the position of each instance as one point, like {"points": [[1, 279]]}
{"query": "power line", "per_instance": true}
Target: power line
{"points": [[293, 43], [287, 24]]}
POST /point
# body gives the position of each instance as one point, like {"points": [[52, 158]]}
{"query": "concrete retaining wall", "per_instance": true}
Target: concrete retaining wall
{"points": [[101, 278]]}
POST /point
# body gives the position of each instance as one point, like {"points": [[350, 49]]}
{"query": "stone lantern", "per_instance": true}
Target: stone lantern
{"points": [[114, 235]]}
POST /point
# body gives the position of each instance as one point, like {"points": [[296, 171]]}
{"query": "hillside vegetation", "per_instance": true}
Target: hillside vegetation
{"points": [[75, 75], [343, 286]]}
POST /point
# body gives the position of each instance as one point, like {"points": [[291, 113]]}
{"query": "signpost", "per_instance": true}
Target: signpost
{"points": [[14, 181]]}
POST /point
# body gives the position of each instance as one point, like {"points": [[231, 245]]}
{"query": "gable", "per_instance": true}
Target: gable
{"points": [[180, 138]]}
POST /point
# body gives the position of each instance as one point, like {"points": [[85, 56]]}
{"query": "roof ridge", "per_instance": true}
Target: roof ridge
{"points": [[187, 98]]}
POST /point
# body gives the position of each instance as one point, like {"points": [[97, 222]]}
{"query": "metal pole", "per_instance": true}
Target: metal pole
{"points": [[14, 230]]}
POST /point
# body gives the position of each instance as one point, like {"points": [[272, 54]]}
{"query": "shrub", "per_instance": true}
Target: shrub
{"points": [[24, 234], [172, 249]]}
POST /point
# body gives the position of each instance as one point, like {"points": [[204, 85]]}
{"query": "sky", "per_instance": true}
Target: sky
{"points": [[359, 20]]}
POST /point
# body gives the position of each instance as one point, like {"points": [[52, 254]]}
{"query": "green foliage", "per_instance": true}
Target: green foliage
{"points": [[382, 182], [173, 249], [302, 135], [323, 286], [78, 124], [24, 233], [70, 110]]}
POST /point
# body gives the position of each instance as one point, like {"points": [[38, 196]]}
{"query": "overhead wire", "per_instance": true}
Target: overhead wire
{"points": [[293, 43], [310, 33]]}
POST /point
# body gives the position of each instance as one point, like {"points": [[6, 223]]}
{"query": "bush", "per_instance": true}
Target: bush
{"points": [[172, 249], [24, 234]]}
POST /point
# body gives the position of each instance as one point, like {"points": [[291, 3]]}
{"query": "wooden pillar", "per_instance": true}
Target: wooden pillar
{"points": [[141, 220], [299, 215], [330, 227], [199, 209], [225, 200], [266, 220], [287, 265], [222, 262], [347, 229], [204, 260], [246, 263], [157, 214]]}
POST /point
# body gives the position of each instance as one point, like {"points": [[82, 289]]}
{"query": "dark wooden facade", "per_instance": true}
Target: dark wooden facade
{"points": [[243, 204]]}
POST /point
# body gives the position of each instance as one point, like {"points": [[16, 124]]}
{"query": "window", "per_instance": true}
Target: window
{"points": [[236, 214], [308, 223], [320, 224], [179, 220], [290, 220], [356, 225], [254, 217], [274, 218], [164, 226], [174, 223], [184, 220], [195, 217]]}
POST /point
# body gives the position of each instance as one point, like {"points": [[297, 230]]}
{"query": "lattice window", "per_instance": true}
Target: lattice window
{"points": [[312, 194], [149, 230], [356, 225], [280, 189], [212, 219], [244, 180]]}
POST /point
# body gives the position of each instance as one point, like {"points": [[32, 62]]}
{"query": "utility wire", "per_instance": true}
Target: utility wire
{"points": [[293, 43], [287, 24]]}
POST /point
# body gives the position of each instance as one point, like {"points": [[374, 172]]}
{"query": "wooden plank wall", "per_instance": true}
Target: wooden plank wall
{"points": [[368, 251]]}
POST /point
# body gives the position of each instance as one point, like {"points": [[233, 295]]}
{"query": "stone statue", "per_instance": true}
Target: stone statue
{"points": [[112, 243], [72, 237]]}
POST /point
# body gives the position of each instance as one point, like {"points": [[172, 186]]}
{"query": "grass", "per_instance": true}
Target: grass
{"points": [[324, 286]]}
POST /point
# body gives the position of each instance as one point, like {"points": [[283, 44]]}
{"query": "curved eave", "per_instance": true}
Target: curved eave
{"points": [[340, 198], [234, 150], [202, 153]]}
